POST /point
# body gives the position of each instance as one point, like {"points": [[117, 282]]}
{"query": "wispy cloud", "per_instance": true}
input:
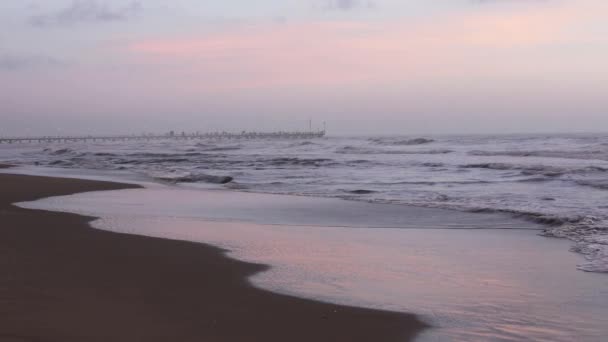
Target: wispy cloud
{"points": [[83, 11], [12, 62]]}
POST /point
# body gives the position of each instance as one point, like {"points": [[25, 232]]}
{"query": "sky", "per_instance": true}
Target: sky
{"points": [[362, 66]]}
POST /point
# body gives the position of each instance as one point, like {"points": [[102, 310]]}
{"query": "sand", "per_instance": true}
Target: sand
{"points": [[64, 281]]}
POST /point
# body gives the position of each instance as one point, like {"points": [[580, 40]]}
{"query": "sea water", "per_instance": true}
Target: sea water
{"points": [[560, 181]]}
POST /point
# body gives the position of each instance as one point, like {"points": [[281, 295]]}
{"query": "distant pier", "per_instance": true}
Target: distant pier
{"points": [[168, 136]]}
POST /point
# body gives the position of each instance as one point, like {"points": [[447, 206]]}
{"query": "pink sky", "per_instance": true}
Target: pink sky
{"points": [[494, 62]]}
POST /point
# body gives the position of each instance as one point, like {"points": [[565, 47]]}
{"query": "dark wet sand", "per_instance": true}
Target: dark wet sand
{"points": [[61, 280]]}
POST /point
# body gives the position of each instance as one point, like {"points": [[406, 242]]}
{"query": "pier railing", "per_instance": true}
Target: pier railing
{"points": [[168, 136]]}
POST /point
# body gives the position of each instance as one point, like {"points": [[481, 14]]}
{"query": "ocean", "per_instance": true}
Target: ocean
{"points": [[559, 181]]}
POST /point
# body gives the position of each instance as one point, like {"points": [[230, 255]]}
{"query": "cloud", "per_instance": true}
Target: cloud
{"points": [[18, 62], [347, 5], [83, 11]]}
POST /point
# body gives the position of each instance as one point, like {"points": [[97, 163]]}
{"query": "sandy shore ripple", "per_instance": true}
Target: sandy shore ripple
{"points": [[64, 281]]}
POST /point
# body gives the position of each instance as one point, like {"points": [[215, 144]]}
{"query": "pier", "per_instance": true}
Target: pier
{"points": [[168, 136]]}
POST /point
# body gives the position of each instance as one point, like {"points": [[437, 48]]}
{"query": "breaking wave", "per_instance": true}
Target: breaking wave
{"points": [[194, 178], [601, 184], [58, 152], [589, 234], [367, 150], [317, 162], [401, 142], [538, 169], [303, 143], [595, 154], [361, 192]]}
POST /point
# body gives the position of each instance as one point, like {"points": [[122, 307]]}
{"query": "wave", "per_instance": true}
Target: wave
{"points": [[303, 143], [595, 250], [361, 161], [601, 184], [365, 150], [64, 163], [58, 152], [401, 142], [299, 161], [591, 237], [194, 178], [213, 147], [361, 192], [223, 148], [152, 161], [527, 170], [429, 164], [589, 233], [597, 154], [536, 169]]}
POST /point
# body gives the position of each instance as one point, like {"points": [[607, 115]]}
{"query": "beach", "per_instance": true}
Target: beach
{"points": [[467, 276], [303, 171], [470, 276], [64, 281]]}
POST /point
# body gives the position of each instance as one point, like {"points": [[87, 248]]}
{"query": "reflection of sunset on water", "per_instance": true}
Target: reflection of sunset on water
{"points": [[505, 284]]}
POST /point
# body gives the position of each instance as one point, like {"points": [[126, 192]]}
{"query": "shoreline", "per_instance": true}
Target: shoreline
{"points": [[547, 224], [76, 283]]}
